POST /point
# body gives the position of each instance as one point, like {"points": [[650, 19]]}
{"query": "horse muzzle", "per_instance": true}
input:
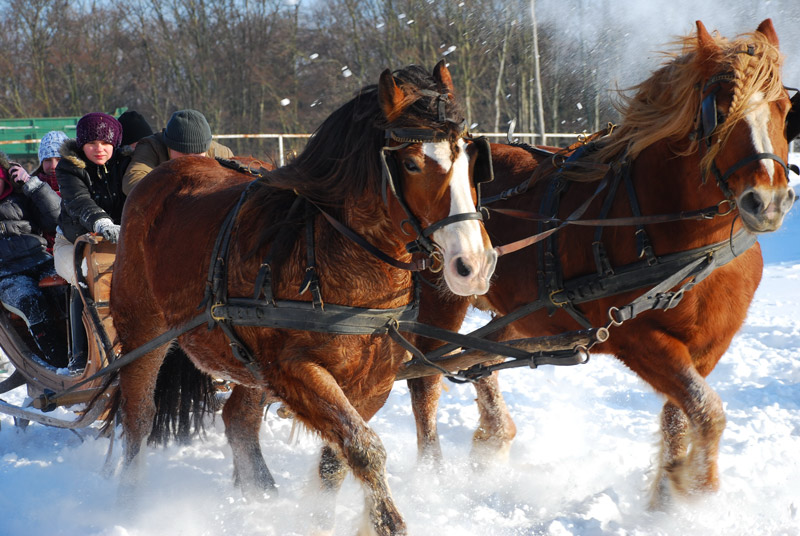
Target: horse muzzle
{"points": [[763, 209], [469, 273]]}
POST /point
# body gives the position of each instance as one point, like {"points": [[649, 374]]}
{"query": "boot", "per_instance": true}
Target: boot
{"points": [[53, 349], [77, 362], [80, 344]]}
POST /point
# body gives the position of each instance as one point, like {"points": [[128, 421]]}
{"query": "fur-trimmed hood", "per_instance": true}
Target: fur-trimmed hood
{"points": [[74, 154], [4, 163]]}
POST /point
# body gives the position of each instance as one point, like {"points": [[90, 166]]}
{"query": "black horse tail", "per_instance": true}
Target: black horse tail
{"points": [[183, 396]]}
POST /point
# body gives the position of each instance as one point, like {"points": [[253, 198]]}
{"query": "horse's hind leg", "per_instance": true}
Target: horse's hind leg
{"points": [[137, 384], [332, 472], [425, 393], [242, 415], [496, 429]]}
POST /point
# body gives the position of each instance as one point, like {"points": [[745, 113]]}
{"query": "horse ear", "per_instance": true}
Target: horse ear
{"points": [[768, 30], [442, 75], [390, 96], [704, 39]]}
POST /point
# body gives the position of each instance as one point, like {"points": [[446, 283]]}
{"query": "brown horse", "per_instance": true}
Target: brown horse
{"points": [[333, 383], [717, 109]]}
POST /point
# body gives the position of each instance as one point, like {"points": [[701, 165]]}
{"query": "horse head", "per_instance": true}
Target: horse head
{"points": [[741, 123], [432, 174]]}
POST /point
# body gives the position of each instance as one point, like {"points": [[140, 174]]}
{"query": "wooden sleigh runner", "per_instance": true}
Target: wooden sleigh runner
{"points": [[94, 264]]}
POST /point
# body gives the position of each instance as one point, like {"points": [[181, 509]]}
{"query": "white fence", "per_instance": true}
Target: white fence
{"points": [[552, 138]]}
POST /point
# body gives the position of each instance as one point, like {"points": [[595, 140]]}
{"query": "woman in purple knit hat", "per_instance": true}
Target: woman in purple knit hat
{"points": [[90, 180]]}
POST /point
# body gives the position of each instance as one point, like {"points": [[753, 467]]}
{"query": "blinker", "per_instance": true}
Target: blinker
{"points": [[708, 114], [793, 118]]}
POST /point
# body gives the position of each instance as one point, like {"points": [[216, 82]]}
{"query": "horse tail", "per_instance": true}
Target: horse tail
{"points": [[183, 396]]}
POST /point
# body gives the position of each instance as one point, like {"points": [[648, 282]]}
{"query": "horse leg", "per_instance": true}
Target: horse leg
{"points": [[242, 417], [674, 446], [496, 429], [425, 393], [689, 393], [137, 384], [332, 472], [323, 406]]}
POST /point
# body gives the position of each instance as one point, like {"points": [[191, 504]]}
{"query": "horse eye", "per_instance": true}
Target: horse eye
{"points": [[411, 166]]}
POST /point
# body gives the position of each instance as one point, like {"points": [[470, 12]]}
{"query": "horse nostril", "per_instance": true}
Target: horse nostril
{"points": [[751, 202], [462, 269]]}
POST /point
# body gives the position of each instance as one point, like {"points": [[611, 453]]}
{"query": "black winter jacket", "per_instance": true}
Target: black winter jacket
{"points": [[25, 213], [88, 192]]}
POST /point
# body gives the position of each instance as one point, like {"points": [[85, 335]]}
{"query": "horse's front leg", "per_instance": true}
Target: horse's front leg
{"points": [[674, 446], [319, 402], [242, 415]]}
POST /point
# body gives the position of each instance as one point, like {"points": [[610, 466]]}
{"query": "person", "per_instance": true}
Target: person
{"points": [[49, 156], [187, 133], [26, 209], [89, 176], [134, 128]]}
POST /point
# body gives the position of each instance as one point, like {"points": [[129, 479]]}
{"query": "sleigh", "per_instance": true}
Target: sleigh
{"points": [[94, 262]]}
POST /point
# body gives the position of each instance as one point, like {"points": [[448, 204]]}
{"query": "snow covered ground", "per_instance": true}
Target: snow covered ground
{"points": [[579, 466]]}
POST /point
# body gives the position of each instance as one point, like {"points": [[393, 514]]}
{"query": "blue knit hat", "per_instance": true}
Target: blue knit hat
{"points": [[50, 144]]}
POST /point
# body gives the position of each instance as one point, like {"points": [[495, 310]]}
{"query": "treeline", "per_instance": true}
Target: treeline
{"points": [[276, 66]]}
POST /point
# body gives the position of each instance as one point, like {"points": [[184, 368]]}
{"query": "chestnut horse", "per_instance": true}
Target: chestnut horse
{"points": [[333, 383], [716, 110]]}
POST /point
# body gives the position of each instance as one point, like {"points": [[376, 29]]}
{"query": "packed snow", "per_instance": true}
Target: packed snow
{"points": [[579, 465]]}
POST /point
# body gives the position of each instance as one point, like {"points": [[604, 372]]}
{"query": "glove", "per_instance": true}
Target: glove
{"points": [[106, 228], [18, 173], [14, 227]]}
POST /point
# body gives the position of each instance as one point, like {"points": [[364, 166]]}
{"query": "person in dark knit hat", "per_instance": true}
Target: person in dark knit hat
{"points": [[90, 181], [187, 133], [134, 128]]}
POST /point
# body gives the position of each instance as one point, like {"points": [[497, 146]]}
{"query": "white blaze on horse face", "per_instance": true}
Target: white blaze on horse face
{"points": [[468, 263], [763, 207], [758, 118]]}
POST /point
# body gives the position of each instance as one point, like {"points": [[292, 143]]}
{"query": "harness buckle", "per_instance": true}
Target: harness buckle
{"points": [[553, 300], [216, 317]]}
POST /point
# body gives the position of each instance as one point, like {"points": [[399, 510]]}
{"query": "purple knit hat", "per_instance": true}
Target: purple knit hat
{"points": [[98, 126]]}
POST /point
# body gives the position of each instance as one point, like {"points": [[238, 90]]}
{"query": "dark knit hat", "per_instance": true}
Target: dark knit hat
{"points": [[98, 126], [188, 132], [134, 127]]}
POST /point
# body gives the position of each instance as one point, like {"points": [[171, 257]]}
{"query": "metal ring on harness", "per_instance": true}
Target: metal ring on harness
{"points": [[602, 334], [583, 352], [612, 316], [437, 261], [731, 207]]}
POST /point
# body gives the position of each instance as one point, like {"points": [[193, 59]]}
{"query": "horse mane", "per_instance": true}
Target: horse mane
{"points": [[340, 162], [665, 106]]}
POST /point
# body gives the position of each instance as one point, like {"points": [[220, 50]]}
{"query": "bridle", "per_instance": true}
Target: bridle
{"points": [[709, 118], [482, 173]]}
